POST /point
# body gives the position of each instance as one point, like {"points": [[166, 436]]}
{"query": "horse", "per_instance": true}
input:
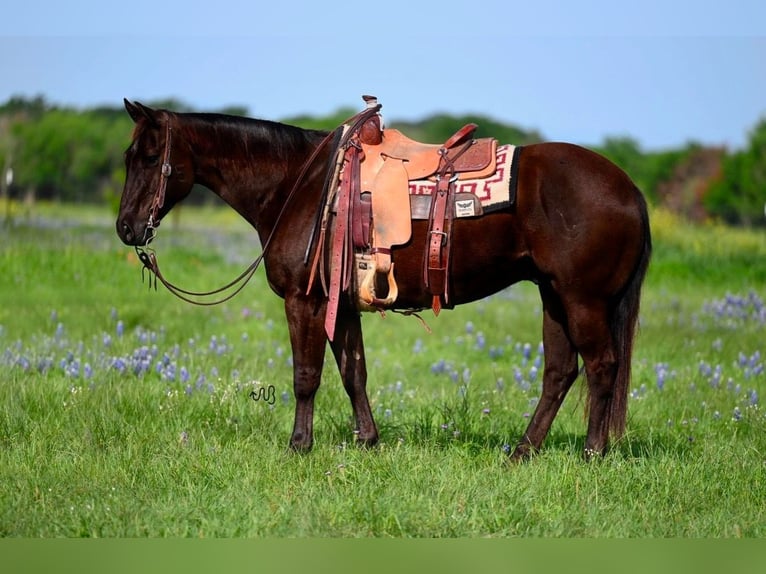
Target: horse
{"points": [[579, 229]]}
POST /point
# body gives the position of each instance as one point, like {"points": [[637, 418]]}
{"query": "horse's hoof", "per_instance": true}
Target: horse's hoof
{"points": [[593, 453], [369, 442], [300, 446], [522, 453]]}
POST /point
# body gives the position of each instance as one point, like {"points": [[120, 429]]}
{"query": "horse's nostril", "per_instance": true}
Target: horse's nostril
{"points": [[127, 232]]}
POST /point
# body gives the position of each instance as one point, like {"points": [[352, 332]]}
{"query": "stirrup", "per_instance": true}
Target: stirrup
{"points": [[367, 290]]}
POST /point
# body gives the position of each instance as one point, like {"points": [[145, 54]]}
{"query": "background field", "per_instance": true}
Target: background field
{"points": [[126, 412]]}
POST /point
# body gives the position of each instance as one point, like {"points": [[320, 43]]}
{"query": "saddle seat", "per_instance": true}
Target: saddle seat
{"points": [[423, 160]]}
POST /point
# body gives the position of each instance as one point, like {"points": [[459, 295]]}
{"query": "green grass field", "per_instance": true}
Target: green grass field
{"points": [[126, 412]]}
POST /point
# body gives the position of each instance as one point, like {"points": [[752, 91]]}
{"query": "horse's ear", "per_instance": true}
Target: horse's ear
{"points": [[137, 111]]}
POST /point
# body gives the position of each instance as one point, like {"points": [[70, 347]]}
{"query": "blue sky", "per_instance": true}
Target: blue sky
{"points": [[664, 73]]}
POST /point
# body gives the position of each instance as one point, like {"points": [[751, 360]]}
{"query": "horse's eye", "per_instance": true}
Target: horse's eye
{"points": [[152, 160]]}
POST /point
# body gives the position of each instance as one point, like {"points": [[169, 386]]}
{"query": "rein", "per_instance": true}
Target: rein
{"points": [[148, 257]]}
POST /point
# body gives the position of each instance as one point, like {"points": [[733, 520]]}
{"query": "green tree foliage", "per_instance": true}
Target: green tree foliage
{"points": [[325, 123], [438, 128], [68, 155], [646, 169], [740, 194]]}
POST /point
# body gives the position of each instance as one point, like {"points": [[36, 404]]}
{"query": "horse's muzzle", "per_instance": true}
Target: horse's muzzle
{"points": [[130, 236]]}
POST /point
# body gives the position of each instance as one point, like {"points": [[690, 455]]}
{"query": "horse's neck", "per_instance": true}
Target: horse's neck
{"points": [[250, 165]]}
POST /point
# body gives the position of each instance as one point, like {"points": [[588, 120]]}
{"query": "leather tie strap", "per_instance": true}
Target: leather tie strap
{"points": [[340, 257], [438, 244]]}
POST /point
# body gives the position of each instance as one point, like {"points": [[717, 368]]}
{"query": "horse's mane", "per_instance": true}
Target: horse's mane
{"points": [[230, 130], [278, 136]]}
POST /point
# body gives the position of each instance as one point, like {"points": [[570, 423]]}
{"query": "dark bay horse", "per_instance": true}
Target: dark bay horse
{"points": [[579, 230]]}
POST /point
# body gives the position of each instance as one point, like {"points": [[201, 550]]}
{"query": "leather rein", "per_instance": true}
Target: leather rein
{"points": [[148, 256]]}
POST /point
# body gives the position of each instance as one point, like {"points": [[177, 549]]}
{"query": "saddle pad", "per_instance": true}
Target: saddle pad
{"points": [[494, 192]]}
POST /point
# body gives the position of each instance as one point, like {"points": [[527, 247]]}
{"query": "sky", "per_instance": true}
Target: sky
{"points": [[664, 73]]}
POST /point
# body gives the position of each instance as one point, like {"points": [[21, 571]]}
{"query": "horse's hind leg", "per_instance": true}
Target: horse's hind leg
{"points": [[559, 374], [348, 348], [591, 333]]}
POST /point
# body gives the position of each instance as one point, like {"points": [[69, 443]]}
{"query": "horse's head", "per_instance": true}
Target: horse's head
{"points": [[159, 173]]}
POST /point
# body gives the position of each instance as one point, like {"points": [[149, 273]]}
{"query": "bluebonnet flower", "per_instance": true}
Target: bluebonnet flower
{"points": [[481, 341], [661, 371], [119, 364], [527, 350], [43, 364], [439, 367]]}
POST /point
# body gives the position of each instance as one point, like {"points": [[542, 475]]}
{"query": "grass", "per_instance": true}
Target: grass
{"points": [[128, 413]]}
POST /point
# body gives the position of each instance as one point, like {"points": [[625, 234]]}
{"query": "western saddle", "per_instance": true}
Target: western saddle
{"points": [[368, 195]]}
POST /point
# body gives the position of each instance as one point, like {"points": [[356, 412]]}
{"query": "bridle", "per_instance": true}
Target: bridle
{"points": [[148, 257], [165, 172]]}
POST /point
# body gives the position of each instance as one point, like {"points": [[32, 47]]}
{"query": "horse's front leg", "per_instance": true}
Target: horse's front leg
{"points": [[348, 347], [305, 320]]}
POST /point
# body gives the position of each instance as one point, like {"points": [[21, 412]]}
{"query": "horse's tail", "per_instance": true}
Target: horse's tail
{"points": [[623, 327]]}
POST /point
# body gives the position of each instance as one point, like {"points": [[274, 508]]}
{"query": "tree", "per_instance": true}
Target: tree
{"points": [[740, 195]]}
